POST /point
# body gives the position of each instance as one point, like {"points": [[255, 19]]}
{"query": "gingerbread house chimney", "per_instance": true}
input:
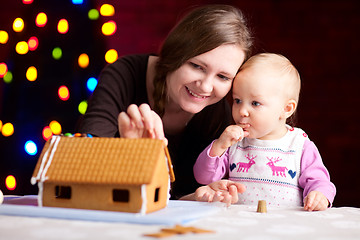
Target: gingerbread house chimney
{"points": [[115, 174]]}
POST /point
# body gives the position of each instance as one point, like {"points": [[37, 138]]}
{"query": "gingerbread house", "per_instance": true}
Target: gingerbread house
{"points": [[115, 174]]}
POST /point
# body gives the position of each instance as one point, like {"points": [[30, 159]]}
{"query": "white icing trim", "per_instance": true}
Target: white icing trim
{"points": [[143, 198], [169, 182], [40, 194], [53, 150], [43, 169], [43, 161], [168, 192]]}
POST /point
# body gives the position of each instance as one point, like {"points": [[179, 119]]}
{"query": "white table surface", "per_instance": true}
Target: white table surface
{"points": [[234, 222]]}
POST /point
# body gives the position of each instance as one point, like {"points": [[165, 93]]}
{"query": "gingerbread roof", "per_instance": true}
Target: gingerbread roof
{"points": [[100, 160]]}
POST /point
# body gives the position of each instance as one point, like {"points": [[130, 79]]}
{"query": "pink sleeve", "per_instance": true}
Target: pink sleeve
{"points": [[209, 169], [314, 176]]}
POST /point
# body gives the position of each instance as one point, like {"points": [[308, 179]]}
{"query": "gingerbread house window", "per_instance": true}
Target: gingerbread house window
{"points": [[157, 190], [63, 192], [121, 195]]}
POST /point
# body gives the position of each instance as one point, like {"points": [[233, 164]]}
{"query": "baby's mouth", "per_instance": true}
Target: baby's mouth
{"points": [[244, 125]]}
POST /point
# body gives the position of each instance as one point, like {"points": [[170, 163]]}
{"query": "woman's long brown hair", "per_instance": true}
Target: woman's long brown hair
{"points": [[202, 30]]}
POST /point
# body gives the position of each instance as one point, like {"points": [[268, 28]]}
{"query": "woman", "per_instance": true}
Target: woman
{"points": [[185, 85]]}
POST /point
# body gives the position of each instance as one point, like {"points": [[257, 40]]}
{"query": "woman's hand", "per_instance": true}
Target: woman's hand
{"points": [[141, 122]]}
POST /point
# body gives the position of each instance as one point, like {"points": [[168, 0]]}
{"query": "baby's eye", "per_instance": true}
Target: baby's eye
{"points": [[237, 101], [255, 103]]}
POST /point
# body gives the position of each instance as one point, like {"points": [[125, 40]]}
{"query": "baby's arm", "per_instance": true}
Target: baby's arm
{"points": [[315, 180], [210, 167]]}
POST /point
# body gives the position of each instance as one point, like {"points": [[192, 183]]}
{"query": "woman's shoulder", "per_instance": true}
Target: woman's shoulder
{"points": [[133, 61], [127, 68]]}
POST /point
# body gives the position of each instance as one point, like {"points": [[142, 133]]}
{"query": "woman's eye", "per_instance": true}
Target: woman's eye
{"points": [[256, 104], [194, 65], [224, 77]]}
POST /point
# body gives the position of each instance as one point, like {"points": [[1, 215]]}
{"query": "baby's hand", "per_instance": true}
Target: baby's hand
{"points": [[207, 194], [225, 191], [315, 201], [230, 136]]}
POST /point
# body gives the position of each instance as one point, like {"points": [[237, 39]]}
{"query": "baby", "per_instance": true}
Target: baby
{"points": [[274, 161]]}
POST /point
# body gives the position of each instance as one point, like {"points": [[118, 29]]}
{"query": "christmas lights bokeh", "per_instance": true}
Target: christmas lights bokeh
{"points": [[51, 53]]}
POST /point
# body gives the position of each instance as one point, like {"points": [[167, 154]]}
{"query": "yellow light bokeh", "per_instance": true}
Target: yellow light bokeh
{"points": [[7, 130], [111, 56], [55, 127], [22, 47], [3, 69], [83, 60], [107, 10], [10, 182], [41, 19], [63, 93], [31, 74], [63, 26], [0, 125], [4, 37], [47, 133], [108, 28], [18, 25]]}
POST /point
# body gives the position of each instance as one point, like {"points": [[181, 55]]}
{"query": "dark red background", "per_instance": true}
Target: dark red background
{"points": [[321, 38]]}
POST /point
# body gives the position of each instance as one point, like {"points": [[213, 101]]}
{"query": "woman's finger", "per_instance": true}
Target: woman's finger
{"points": [[148, 119], [158, 129], [124, 123], [135, 115]]}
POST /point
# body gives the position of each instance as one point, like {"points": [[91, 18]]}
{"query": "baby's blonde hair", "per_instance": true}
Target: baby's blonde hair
{"points": [[282, 67]]}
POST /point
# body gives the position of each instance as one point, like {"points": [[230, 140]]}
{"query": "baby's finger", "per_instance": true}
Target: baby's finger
{"points": [[239, 186], [217, 197], [309, 201], [227, 198], [233, 193]]}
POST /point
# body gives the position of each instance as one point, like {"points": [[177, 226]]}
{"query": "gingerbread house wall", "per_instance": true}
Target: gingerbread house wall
{"points": [[161, 181], [100, 196], [92, 196]]}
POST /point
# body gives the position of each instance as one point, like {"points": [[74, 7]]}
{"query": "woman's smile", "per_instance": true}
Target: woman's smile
{"points": [[193, 94]]}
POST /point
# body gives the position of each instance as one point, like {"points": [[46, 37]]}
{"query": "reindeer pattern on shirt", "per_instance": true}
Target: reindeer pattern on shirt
{"points": [[268, 167]]}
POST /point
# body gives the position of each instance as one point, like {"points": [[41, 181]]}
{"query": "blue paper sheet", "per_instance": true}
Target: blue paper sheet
{"points": [[177, 212]]}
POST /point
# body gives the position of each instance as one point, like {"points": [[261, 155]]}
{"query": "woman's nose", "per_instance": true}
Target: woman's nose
{"points": [[205, 84]]}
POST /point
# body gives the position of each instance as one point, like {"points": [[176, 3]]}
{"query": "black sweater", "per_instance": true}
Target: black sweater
{"points": [[123, 83]]}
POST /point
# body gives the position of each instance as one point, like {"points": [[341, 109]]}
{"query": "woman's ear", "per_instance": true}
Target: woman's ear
{"points": [[289, 108]]}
